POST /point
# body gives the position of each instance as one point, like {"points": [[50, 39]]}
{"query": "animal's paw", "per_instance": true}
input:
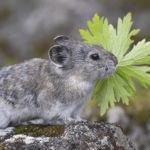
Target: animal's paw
{"points": [[80, 120], [69, 121], [35, 121], [76, 120], [6, 132]]}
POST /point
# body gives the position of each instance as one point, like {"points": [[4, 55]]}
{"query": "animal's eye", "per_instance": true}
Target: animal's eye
{"points": [[94, 56]]}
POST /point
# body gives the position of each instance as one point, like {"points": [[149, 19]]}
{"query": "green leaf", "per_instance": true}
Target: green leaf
{"points": [[137, 55], [139, 73], [118, 40], [105, 99], [99, 32], [122, 39]]}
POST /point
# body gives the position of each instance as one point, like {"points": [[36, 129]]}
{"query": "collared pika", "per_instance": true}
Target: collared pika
{"points": [[54, 90]]}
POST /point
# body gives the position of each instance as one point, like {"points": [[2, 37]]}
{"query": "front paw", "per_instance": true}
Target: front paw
{"points": [[69, 121], [80, 120], [76, 120]]}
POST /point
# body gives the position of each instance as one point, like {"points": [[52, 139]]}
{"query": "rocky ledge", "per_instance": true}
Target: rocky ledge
{"points": [[77, 136]]}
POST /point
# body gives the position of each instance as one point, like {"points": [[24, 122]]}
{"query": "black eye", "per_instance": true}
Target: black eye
{"points": [[94, 56]]}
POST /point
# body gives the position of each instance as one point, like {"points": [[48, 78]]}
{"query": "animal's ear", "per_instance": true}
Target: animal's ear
{"points": [[61, 39], [59, 55]]}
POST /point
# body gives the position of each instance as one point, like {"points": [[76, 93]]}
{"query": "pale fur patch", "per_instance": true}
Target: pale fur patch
{"points": [[62, 111], [51, 112], [59, 110], [77, 82]]}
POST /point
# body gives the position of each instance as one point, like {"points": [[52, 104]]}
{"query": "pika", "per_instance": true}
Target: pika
{"points": [[55, 89]]}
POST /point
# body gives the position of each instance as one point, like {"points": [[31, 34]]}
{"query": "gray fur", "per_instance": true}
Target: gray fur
{"points": [[54, 90]]}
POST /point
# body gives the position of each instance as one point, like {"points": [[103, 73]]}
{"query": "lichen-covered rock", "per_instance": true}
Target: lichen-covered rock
{"points": [[77, 136], [138, 129]]}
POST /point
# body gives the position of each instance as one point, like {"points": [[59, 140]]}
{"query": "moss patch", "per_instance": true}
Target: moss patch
{"points": [[2, 148], [39, 130]]}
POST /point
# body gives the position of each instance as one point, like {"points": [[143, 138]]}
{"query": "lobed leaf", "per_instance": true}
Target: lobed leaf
{"points": [[119, 86], [138, 55]]}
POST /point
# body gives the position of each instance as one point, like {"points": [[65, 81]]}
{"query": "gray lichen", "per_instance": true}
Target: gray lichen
{"points": [[81, 135]]}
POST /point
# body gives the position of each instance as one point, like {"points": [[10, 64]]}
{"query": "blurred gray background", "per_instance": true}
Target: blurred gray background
{"points": [[27, 29]]}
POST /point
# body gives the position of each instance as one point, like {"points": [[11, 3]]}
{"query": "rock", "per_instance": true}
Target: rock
{"points": [[76, 136], [138, 134]]}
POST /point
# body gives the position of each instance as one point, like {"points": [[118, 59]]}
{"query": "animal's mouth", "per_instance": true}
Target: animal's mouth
{"points": [[109, 70]]}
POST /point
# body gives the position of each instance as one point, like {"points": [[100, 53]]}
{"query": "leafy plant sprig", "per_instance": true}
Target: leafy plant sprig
{"points": [[119, 86]]}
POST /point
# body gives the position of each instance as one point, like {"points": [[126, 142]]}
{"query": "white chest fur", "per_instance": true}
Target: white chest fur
{"points": [[76, 82]]}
